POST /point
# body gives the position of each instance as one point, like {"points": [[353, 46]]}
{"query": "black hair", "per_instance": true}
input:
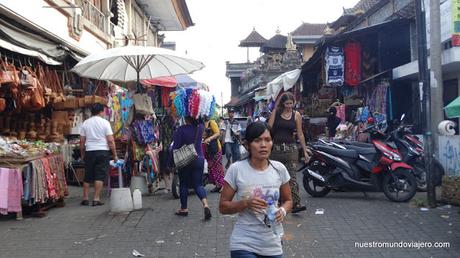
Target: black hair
{"points": [[96, 109], [253, 131], [333, 110], [191, 120]]}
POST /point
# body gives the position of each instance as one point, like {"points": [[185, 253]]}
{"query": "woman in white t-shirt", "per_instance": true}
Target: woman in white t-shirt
{"points": [[255, 181]]}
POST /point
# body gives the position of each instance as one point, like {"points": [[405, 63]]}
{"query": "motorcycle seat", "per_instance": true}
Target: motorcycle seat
{"points": [[362, 150], [338, 152], [356, 143]]}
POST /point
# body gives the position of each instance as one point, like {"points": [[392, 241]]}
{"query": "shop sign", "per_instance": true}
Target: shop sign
{"points": [[455, 22]]}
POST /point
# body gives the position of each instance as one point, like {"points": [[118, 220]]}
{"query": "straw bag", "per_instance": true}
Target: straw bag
{"points": [[186, 154], [143, 104]]}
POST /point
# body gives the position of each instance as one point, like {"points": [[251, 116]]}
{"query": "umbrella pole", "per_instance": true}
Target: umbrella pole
{"points": [[138, 84]]}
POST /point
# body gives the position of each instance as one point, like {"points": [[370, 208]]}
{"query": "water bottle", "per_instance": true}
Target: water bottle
{"points": [[137, 199], [277, 227]]}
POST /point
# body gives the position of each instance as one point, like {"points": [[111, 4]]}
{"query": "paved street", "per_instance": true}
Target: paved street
{"points": [[75, 231]]}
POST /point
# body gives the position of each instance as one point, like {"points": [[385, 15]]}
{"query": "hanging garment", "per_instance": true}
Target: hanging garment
{"points": [[334, 66], [11, 190], [352, 63], [378, 99]]}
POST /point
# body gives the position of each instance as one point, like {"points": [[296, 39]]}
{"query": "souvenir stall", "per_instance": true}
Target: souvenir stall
{"points": [[42, 105]]}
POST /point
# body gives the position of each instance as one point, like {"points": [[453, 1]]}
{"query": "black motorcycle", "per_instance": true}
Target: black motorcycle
{"points": [[376, 167]]}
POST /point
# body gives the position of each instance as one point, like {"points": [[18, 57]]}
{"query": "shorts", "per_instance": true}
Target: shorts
{"points": [[96, 165]]}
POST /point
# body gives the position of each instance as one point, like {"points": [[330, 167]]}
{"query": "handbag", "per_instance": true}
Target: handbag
{"points": [[8, 73], [185, 154], [143, 104]]}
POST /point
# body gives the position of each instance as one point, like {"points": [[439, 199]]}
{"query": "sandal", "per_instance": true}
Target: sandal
{"points": [[84, 203], [216, 189], [181, 213], [207, 213], [97, 203], [298, 209]]}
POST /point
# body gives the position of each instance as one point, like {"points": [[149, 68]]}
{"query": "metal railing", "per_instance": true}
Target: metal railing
{"points": [[92, 14]]}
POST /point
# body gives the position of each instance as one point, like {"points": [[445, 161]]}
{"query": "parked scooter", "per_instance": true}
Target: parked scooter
{"points": [[411, 148], [376, 167]]}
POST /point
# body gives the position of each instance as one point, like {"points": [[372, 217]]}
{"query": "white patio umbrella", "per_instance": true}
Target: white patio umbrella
{"points": [[134, 63]]}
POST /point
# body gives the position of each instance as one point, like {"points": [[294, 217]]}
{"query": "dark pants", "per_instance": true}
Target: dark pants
{"points": [[247, 254], [232, 151], [96, 165], [191, 176]]}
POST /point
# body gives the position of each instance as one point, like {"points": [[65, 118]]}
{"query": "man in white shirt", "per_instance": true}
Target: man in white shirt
{"points": [[232, 138], [96, 139]]}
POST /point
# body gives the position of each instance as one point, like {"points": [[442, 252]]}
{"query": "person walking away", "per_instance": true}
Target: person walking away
{"points": [[256, 182], [213, 154], [284, 121], [192, 174], [96, 139], [232, 138]]}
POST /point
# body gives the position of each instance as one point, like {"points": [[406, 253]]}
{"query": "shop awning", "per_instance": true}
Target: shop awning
{"points": [[233, 101], [19, 40], [180, 80], [28, 52], [283, 82], [453, 109]]}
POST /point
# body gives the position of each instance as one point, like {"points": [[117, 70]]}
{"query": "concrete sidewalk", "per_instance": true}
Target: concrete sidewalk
{"points": [[348, 220]]}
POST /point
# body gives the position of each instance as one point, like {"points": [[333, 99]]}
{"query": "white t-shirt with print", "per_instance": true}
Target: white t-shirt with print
{"points": [[235, 127], [250, 233], [96, 129]]}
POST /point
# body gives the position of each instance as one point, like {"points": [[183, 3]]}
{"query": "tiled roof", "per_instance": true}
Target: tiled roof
{"points": [[254, 39], [309, 29], [276, 42], [361, 7]]}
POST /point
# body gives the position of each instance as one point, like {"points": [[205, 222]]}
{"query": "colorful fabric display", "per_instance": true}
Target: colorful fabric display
{"points": [[10, 190], [179, 102], [352, 63], [334, 66], [143, 131], [194, 104]]}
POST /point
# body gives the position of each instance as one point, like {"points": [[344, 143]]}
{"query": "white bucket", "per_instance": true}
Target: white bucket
{"points": [[121, 200], [139, 182]]}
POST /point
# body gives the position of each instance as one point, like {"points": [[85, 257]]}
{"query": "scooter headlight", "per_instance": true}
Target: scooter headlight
{"points": [[396, 157]]}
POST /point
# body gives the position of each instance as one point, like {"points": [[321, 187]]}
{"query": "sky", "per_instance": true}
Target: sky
{"points": [[220, 25]]}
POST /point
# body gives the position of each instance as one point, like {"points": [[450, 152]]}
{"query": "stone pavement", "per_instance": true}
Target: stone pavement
{"points": [[75, 231]]}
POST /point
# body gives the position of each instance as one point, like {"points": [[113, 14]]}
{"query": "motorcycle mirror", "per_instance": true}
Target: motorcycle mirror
{"points": [[402, 116]]}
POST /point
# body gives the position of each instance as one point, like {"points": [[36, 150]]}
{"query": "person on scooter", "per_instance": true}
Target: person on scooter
{"points": [[284, 121], [255, 181]]}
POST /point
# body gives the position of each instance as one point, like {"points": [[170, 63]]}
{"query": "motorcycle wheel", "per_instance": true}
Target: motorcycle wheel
{"points": [[399, 185], [312, 188], [420, 177], [438, 172], [175, 186]]}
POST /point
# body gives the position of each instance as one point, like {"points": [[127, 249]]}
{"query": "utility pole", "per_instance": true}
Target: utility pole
{"points": [[221, 104], [425, 90], [436, 83]]}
